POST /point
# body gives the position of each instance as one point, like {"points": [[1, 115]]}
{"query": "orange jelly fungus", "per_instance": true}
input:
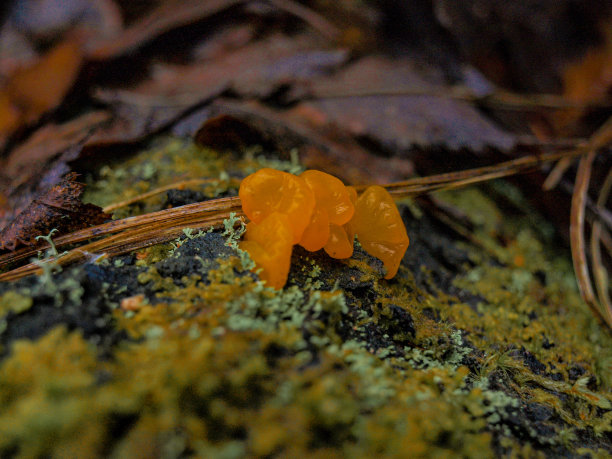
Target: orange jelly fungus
{"points": [[331, 195], [317, 211], [339, 245], [269, 190], [317, 232], [379, 228], [269, 244], [332, 206]]}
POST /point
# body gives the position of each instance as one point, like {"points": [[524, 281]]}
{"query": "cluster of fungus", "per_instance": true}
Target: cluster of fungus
{"points": [[316, 211]]}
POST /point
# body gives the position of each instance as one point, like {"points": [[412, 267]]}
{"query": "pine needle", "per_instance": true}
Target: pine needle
{"points": [[599, 307]]}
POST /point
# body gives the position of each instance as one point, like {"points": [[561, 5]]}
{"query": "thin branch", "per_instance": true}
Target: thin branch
{"points": [[124, 242], [453, 180], [178, 214], [556, 174]]}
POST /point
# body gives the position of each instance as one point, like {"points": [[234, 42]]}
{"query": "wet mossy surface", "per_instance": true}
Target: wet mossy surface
{"points": [[477, 348]]}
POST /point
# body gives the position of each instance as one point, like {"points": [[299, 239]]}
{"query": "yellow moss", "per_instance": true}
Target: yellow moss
{"points": [[14, 302], [45, 392], [169, 161]]}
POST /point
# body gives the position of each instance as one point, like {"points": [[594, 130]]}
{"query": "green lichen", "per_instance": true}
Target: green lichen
{"points": [[188, 234], [233, 236], [48, 238]]}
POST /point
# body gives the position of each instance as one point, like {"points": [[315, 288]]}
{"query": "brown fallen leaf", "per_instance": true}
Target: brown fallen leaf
{"points": [[229, 124], [59, 208], [41, 161], [47, 20], [16, 50], [167, 16], [400, 122], [172, 14], [10, 117], [255, 70], [32, 157], [35, 89], [224, 41], [135, 117]]}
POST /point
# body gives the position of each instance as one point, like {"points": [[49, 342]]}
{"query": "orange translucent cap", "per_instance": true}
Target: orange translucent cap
{"points": [[339, 245], [332, 206], [379, 228], [269, 190], [269, 244], [331, 194], [316, 233], [352, 192]]}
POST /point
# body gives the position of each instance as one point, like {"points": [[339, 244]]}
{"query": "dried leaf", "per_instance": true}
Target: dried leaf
{"points": [[256, 70], [399, 122], [316, 21], [136, 117], [173, 14], [50, 19], [20, 197], [16, 50], [43, 86], [33, 90], [32, 157], [10, 116], [59, 208], [222, 42], [167, 16], [232, 124]]}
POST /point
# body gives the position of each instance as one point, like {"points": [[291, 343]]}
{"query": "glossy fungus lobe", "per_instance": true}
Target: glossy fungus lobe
{"points": [[331, 195], [317, 211], [269, 243], [352, 192], [269, 190], [339, 245], [379, 228], [333, 205], [316, 233]]}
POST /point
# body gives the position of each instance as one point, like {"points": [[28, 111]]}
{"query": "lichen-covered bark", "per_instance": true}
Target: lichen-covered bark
{"points": [[475, 349]]}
